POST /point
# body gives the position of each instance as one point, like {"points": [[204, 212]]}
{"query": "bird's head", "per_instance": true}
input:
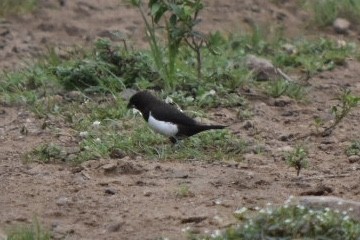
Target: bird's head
{"points": [[141, 101]]}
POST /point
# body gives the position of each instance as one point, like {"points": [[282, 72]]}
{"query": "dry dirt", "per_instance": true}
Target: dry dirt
{"points": [[139, 198]]}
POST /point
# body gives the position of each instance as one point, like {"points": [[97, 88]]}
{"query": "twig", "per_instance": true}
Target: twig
{"points": [[285, 76]]}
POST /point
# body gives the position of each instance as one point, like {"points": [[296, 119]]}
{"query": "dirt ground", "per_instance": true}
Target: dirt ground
{"points": [[139, 198]]}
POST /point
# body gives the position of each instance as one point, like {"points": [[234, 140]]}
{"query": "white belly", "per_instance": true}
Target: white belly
{"points": [[164, 128]]}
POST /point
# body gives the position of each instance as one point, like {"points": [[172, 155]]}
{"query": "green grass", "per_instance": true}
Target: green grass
{"points": [[31, 232], [98, 75], [291, 222], [326, 11], [8, 7]]}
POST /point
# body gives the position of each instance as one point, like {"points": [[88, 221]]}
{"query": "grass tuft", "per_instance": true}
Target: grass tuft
{"points": [[31, 232], [292, 222], [8, 7]]}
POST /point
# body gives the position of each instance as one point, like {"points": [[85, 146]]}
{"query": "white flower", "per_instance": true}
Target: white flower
{"points": [[98, 140], [187, 229], [84, 134], [216, 233], [241, 210], [212, 92], [96, 124]]}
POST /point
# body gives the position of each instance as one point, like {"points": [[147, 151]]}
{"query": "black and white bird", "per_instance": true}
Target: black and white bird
{"points": [[166, 119]]}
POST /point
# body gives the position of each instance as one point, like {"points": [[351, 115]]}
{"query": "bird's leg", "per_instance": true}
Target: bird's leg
{"points": [[173, 140]]}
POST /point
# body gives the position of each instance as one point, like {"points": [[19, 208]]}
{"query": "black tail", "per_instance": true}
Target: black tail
{"points": [[200, 128]]}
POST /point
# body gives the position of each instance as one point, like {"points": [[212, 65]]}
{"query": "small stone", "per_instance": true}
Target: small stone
{"points": [[77, 169], [110, 191], [289, 48], [325, 147], [264, 70], [283, 101], [286, 149], [4, 32], [70, 157], [74, 96], [110, 167], [341, 25], [354, 158], [286, 137], [62, 201], [115, 227], [195, 219], [117, 153], [147, 193], [72, 150], [248, 125], [329, 140]]}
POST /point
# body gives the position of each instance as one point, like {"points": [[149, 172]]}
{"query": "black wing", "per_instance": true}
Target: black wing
{"points": [[168, 113]]}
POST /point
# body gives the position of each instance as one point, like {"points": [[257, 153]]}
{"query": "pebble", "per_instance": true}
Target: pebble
{"points": [[62, 201], [354, 158], [109, 167], [341, 26], [262, 67], [110, 191], [115, 227], [117, 153]]}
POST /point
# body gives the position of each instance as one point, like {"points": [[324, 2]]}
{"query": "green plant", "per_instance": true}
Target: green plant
{"points": [[298, 159], [292, 222], [45, 153], [32, 232], [283, 87], [16, 6], [348, 102], [326, 11], [180, 19], [354, 148], [184, 191]]}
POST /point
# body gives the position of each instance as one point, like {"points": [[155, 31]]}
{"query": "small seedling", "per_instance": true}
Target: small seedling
{"points": [[297, 159], [347, 103], [284, 87], [44, 153], [33, 231], [184, 191], [354, 148]]}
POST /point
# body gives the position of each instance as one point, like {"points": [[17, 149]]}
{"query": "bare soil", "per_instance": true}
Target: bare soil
{"points": [[142, 199]]}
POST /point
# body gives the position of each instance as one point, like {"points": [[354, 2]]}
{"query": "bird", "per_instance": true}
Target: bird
{"points": [[165, 118]]}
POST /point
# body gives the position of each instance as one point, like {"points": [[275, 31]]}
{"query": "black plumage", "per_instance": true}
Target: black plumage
{"points": [[150, 106]]}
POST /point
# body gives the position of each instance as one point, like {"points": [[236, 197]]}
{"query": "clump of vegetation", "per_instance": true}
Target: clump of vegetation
{"points": [[286, 88], [326, 11], [292, 222], [184, 191], [45, 153], [180, 19], [297, 159], [31, 232], [354, 148], [348, 102], [8, 7]]}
